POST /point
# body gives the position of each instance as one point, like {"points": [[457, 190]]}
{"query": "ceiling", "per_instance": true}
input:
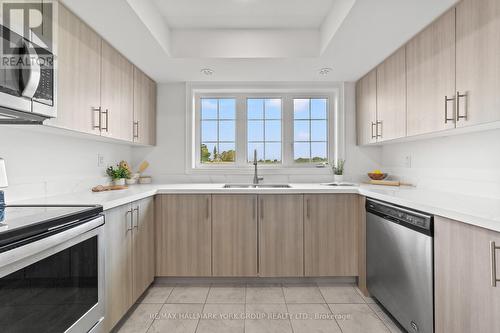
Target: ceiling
{"points": [[244, 14], [257, 40]]}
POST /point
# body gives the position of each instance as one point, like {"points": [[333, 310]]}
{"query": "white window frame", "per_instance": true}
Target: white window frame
{"points": [[241, 92]]}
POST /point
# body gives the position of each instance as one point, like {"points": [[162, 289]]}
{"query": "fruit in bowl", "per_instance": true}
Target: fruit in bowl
{"points": [[377, 175]]}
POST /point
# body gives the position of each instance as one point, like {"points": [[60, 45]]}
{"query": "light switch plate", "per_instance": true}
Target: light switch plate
{"points": [[100, 160]]}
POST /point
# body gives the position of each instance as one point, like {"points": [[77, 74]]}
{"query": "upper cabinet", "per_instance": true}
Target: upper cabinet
{"points": [[366, 105], [117, 94], [451, 75], [391, 97], [78, 75], [144, 130], [99, 91], [478, 62], [431, 77]]}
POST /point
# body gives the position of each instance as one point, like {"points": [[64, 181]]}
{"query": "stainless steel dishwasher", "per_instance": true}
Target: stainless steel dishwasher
{"points": [[399, 255]]}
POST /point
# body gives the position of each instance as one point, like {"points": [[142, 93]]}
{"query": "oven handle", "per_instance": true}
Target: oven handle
{"points": [[31, 78], [20, 257]]}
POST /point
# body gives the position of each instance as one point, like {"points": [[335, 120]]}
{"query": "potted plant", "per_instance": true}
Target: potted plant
{"points": [[119, 173], [338, 171]]}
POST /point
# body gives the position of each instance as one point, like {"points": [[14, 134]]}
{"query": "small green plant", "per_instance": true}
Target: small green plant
{"points": [[118, 172], [338, 168]]}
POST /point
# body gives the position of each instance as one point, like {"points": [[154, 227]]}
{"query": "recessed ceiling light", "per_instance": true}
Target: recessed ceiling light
{"points": [[207, 71], [325, 71]]}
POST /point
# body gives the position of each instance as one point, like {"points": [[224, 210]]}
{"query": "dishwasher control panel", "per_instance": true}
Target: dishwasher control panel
{"points": [[400, 215]]}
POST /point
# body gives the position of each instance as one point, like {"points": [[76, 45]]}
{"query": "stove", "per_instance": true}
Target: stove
{"points": [[21, 223], [51, 262]]}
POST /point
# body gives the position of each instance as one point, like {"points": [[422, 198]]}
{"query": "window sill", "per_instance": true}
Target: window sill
{"points": [[263, 170]]}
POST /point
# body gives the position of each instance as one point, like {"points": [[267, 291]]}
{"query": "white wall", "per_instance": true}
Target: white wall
{"points": [[466, 163], [44, 162], [168, 158]]}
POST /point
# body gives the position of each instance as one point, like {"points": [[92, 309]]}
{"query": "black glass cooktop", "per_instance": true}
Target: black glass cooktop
{"points": [[21, 222]]}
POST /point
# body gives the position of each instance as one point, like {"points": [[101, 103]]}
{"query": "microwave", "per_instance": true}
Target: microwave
{"points": [[27, 80]]}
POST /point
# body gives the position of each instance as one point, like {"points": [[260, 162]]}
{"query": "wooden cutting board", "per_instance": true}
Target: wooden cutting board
{"points": [[388, 183], [101, 188]]}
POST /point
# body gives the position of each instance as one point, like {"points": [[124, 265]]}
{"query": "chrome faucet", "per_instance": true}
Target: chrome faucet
{"points": [[256, 177]]}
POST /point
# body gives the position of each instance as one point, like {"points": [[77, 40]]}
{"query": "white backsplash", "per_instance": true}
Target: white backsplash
{"points": [[46, 163], [464, 164]]}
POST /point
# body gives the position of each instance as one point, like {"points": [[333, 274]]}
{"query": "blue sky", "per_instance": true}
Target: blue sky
{"points": [[264, 126]]}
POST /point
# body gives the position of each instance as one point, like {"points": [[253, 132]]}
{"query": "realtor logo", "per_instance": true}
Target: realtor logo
{"points": [[31, 20]]}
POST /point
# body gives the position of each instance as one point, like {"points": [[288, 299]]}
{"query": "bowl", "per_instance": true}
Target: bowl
{"points": [[377, 176]]}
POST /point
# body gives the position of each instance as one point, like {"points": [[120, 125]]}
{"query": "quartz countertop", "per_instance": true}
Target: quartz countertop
{"points": [[479, 211]]}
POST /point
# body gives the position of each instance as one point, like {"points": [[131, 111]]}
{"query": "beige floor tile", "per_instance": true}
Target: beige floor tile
{"points": [[189, 294], [262, 294], [312, 318], [302, 294], [177, 318], [357, 318], [393, 327], [156, 294], [340, 294], [232, 294], [140, 319], [273, 318], [222, 318], [367, 300]]}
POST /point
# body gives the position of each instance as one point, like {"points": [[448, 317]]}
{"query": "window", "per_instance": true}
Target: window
{"points": [[310, 130], [264, 130], [289, 128], [218, 130]]}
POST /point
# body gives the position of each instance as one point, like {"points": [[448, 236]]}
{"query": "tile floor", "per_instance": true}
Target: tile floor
{"points": [[248, 308]]}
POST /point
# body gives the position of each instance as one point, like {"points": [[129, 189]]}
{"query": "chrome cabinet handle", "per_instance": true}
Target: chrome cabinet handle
{"points": [[446, 100], [106, 113], [135, 130], [464, 117], [129, 227], [136, 225], [374, 136], [493, 258], [99, 122], [381, 128]]}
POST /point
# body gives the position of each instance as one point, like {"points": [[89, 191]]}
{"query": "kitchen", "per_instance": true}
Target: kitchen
{"points": [[250, 166]]}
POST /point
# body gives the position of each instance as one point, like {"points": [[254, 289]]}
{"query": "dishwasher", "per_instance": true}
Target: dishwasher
{"points": [[399, 263]]}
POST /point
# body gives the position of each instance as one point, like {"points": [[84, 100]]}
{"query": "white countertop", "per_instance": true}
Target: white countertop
{"points": [[482, 212]]}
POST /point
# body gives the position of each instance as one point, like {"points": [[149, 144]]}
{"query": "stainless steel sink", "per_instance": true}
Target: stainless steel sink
{"points": [[257, 186]]}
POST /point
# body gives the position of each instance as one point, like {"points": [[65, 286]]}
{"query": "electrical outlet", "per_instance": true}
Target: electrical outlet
{"points": [[408, 161], [100, 160]]}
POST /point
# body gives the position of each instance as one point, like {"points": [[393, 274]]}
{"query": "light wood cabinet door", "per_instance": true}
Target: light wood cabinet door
{"points": [[183, 235], [465, 299], [281, 235], [143, 246], [78, 74], [118, 263], [391, 97], [234, 232], [478, 61], [331, 229], [117, 94], [366, 108], [430, 61], [144, 108]]}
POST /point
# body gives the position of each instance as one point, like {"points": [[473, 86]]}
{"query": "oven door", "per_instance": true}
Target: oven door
{"points": [[55, 284]]}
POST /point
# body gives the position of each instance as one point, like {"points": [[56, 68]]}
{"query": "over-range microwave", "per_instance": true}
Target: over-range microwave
{"points": [[27, 80]]}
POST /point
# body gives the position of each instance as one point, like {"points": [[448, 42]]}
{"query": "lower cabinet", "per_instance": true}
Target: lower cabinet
{"points": [[129, 257], [466, 299], [183, 235], [281, 235], [234, 235], [331, 229]]}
